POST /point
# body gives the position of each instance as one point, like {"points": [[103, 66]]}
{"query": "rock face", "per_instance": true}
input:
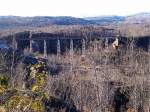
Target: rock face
{"points": [[2, 109], [30, 98], [34, 97]]}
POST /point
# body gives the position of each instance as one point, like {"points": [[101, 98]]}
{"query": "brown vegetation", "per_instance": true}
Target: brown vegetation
{"points": [[102, 79]]}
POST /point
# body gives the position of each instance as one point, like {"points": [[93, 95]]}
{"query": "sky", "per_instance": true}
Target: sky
{"points": [[75, 8]]}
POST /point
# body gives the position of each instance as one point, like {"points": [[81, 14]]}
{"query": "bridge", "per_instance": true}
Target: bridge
{"points": [[44, 42]]}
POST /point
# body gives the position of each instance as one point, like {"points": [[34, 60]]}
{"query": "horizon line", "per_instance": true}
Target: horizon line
{"points": [[103, 15]]}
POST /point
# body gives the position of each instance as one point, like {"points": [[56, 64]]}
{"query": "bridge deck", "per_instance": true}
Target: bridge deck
{"points": [[61, 38]]}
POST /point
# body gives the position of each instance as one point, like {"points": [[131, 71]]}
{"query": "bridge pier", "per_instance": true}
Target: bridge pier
{"points": [[71, 55], [96, 44], [14, 43], [30, 47], [45, 49], [83, 48], [58, 49]]}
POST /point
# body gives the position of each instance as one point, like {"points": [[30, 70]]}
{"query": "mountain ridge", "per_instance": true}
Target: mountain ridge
{"points": [[10, 22]]}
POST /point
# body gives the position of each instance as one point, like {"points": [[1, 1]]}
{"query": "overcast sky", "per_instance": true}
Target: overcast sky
{"points": [[76, 8]]}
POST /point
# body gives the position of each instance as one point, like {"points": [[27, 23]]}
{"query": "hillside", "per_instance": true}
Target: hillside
{"points": [[101, 20], [137, 25], [139, 18], [67, 64], [15, 21]]}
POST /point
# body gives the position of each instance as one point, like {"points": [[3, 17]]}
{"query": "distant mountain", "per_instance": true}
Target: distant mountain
{"points": [[40, 21], [106, 19], [138, 18], [9, 22]]}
